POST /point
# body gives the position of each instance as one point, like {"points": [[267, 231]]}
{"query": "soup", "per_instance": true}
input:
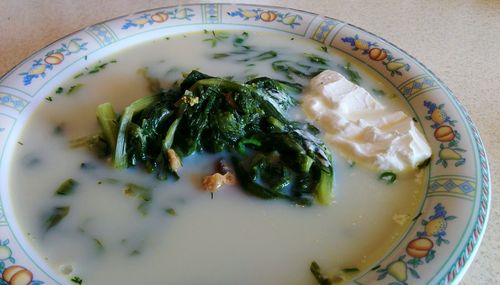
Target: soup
{"points": [[187, 236]]}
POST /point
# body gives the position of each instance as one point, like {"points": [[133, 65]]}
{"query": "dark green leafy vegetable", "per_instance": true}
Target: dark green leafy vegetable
{"points": [[108, 122], [315, 59], [59, 90], [350, 270], [78, 75], [72, 89], [297, 69], [100, 66], [143, 194], [57, 215], [262, 56], [220, 55], [388, 177], [378, 92], [77, 280], [120, 159], [98, 145], [265, 55], [87, 166], [215, 37], [171, 211], [59, 129], [316, 271], [239, 41], [353, 76], [98, 244], [208, 114], [134, 252], [66, 188], [287, 68]]}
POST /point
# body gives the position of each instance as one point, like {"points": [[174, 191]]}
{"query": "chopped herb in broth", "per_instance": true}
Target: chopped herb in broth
{"points": [[77, 280], [67, 187], [388, 177], [73, 88], [98, 244], [353, 76], [315, 59], [171, 211], [143, 194], [87, 166], [215, 37], [57, 215], [350, 270], [100, 66], [59, 129], [318, 275]]}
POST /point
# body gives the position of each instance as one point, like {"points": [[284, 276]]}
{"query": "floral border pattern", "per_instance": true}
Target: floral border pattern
{"points": [[420, 250], [393, 65], [445, 133], [42, 65], [157, 17], [258, 14], [10, 272]]}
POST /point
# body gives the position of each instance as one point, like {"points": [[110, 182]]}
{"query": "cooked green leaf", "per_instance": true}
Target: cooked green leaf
{"points": [[57, 215], [316, 271], [74, 88], [67, 187], [208, 114], [388, 177]]}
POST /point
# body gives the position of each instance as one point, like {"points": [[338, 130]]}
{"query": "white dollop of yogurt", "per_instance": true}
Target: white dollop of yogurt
{"points": [[360, 127]]}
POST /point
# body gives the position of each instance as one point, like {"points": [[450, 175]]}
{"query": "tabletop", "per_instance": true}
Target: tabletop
{"points": [[457, 40]]}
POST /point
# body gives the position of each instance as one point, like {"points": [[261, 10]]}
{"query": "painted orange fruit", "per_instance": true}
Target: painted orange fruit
{"points": [[159, 17], [268, 16], [17, 275], [419, 247], [444, 133], [54, 58], [377, 54]]}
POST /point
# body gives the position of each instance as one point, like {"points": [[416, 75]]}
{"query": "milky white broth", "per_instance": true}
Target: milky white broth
{"points": [[232, 239]]}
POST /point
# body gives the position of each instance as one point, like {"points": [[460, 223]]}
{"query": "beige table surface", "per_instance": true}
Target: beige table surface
{"points": [[458, 40]]}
